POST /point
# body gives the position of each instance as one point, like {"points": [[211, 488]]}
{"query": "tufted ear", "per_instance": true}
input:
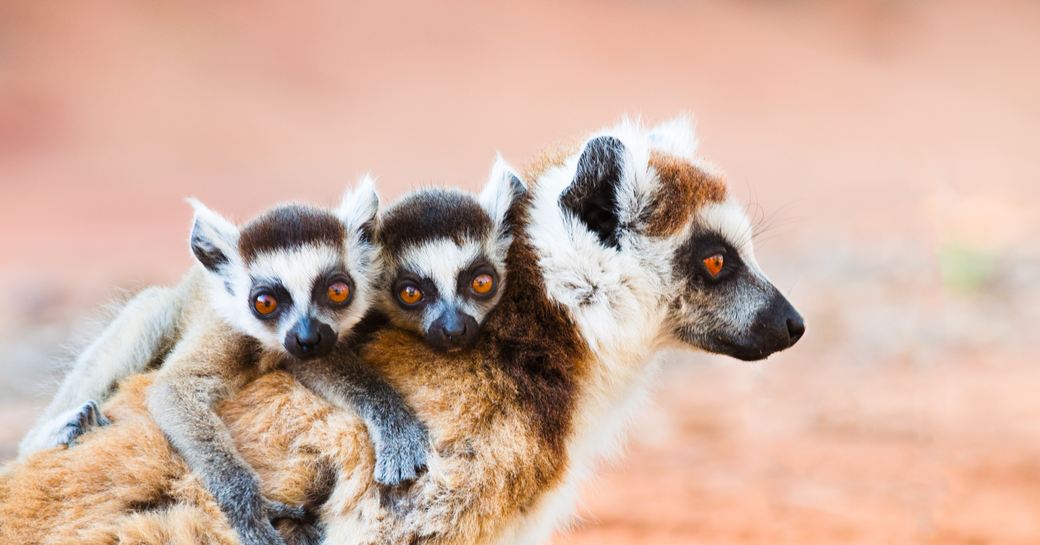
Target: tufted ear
{"points": [[359, 207], [675, 136], [503, 189], [593, 194], [214, 239]]}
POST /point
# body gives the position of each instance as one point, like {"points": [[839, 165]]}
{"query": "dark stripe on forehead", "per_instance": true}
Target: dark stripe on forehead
{"points": [[432, 214], [290, 226]]}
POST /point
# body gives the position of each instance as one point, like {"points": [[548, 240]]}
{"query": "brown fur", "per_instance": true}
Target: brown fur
{"points": [[683, 188], [499, 416], [287, 226]]}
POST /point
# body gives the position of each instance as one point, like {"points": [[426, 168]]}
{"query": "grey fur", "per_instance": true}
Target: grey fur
{"points": [[86, 418], [137, 338]]}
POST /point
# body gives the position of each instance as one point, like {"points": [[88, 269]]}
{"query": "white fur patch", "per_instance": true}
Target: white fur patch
{"points": [[675, 136], [359, 205], [498, 194]]}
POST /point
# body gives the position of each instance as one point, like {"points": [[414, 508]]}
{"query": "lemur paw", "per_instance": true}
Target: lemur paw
{"points": [[278, 510], [261, 532], [401, 458], [81, 420]]}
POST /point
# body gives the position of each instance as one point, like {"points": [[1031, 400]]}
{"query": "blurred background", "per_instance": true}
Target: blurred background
{"points": [[889, 149]]}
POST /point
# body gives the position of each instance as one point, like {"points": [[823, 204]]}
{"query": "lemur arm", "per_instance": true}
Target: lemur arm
{"points": [[145, 327], [400, 439], [210, 363]]}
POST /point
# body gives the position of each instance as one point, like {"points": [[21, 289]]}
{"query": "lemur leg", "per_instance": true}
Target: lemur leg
{"points": [[400, 439], [143, 328], [206, 369]]}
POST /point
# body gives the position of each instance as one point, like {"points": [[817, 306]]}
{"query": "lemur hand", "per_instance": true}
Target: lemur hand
{"points": [[277, 510], [401, 453], [256, 527], [260, 532], [77, 422]]}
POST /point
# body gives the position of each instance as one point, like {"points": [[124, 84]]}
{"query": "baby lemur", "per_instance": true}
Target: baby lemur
{"points": [[293, 281], [443, 258]]}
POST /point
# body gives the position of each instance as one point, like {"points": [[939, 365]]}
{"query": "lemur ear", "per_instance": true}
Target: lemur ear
{"points": [[593, 194], [214, 239], [675, 136], [359, 207], [503, 189]]}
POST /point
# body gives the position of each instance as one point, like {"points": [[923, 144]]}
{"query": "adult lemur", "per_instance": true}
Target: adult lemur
{"points": [[623, 246]]}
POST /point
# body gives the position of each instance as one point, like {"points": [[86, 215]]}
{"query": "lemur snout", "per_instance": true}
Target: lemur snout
{"points": [[310, 338], [795, 327], [452, 330], [779, 326]]}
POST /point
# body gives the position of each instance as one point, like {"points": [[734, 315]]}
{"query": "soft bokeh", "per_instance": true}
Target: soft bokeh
{"points": [[888, 149]]}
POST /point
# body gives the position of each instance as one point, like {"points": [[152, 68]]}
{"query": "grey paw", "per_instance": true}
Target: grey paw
{"points": [[401, 459], [87, 417], [260, 532], [278, 510]]}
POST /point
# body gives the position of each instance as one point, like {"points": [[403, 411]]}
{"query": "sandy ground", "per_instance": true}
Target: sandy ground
{"points": [[888, 148]]}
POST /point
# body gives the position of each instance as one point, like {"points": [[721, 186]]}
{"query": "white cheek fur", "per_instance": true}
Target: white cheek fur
{"points": [[296, 270]]}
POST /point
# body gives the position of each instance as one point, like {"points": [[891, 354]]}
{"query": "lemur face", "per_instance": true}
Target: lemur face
{"points": [[296, 277], [641, 201], [443, 257]]}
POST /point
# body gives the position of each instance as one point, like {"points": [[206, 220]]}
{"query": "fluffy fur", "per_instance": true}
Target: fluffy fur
{"points": [[517, 421]]}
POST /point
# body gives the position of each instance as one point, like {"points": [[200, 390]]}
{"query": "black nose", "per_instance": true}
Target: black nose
{"points": [[455, 330], [795, 327], [452, 330], [309, 338]]}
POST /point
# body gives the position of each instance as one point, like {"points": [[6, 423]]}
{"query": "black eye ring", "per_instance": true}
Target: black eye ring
{"points": [[255, 304], [339, 279], [729, 261], [403, 285], [480, 271]]}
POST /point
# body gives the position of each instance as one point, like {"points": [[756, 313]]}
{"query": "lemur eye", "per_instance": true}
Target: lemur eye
{"points": [[714, 265], [410, 294], [338, 292], [265, 304], [482, 283]]}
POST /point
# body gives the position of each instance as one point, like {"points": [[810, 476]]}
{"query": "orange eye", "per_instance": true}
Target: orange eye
{"points": [[410, 294], [482, 283], [338, 292], [714, 265], [265, 304]]}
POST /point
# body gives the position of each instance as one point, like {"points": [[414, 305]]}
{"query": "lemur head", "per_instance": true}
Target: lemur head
{"points": [[443, 254], [660, 230], [295, 277]]}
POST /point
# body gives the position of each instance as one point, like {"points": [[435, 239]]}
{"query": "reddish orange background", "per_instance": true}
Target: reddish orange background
{"points": [[890, 147]]}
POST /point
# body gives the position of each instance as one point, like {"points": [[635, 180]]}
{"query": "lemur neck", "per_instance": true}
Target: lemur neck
{"points": [[609, 297], [606, 306]]}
